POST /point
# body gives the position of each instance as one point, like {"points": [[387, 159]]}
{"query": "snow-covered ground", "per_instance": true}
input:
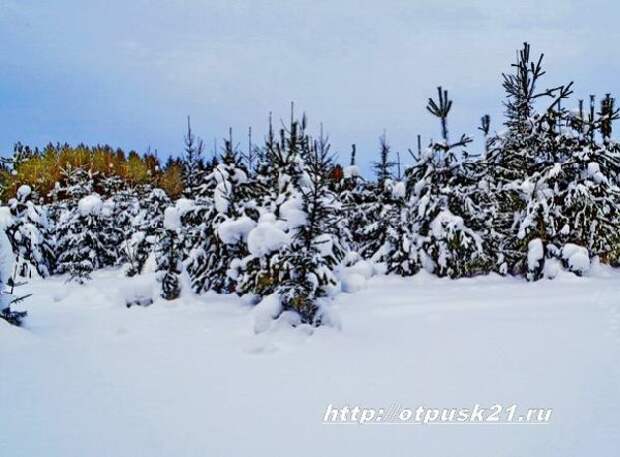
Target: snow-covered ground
{"points": [[89, 377]]}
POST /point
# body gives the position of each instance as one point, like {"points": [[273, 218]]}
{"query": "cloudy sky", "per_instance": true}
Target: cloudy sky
{"points": [[128, 72]]}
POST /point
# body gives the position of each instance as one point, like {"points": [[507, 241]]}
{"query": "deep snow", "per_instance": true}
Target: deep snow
{"points": [[89, 377]]}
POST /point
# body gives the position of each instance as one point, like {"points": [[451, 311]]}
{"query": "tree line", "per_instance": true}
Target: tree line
{"points": [[283, 218]]}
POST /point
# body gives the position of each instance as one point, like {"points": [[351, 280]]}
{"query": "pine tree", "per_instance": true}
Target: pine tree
{"points": [[280, 168], [383, 167], [122, 208], [353, 195], [192, 162], [524, 165], [443, 215], [280, 172], [85, 237], [571, 211], [399, 251], [223, 224], [6, 297], [77, 184], [168, 255], [30, 235], [377, 209], [146, 227], [307, 264]]}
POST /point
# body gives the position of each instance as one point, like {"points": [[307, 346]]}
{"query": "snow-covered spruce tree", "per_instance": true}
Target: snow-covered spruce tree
{"points": [[384, 166], [280, 171], [199, 211], [280, 166], [514, 156], [353, 195], [554, 185], [382, 227], [111, 185], [571, 209], [30, 235], [168, 255], [223, 223], [122, 208], [85, 239], [444, 217], [6, 297], [377, 208], [193, 165], [55, 207], [75, 183], [398, 251], [146, 227], [307, 263]]}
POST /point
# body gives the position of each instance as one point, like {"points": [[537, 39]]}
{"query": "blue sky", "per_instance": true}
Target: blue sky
{"points": [[128, 73]]}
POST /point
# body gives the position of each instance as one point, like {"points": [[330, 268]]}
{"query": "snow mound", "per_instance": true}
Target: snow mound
{"points": [[364, 268], [107, 210], [138, 291], [91, 205], [266, 237], [184, 205], [576, 257], [353, 282], [552, 268], [232, 231], [355, 277], [150, 266], [265, 312], [291, 212], [379, 268], [172, 219], [535, 253]]}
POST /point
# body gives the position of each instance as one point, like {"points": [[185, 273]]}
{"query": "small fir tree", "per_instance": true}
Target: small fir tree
{"points": [[31, 236], [146, 226], [168, 256], [85, 237], [307, 264]]}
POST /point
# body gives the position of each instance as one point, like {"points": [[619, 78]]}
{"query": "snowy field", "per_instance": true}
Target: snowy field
{"points": [[89, 377]]}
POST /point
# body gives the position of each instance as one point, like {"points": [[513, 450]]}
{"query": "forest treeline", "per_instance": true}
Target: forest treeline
{"points": [[45, 169], [281, 219]]}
